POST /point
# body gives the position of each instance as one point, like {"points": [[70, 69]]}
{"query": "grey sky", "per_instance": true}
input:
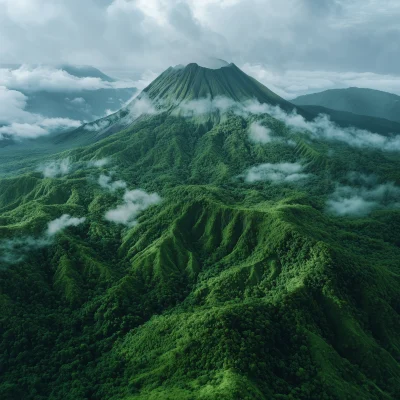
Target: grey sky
{"points": [[292, 46], [339, 35]]}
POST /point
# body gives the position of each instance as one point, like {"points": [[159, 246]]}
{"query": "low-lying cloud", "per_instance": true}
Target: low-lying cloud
{"points": [[15, 250], [320, 128], [21, 124], [259, 133], [276, 173], [64, 166], [363, 197], [135, 202], [63, 222], [106, 182], [53, 169], [29, 78]]}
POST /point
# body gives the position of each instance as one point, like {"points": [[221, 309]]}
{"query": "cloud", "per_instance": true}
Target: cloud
{"points": [[361, 200], [15, 250], [21, 124], [320, 128], [97, 126], [56, 168], [292, 83], [158, 33], [259, 133], [205, 106], [64, 166], [276, 173], [141, 105], [98, 163], [323, 128], [61, 223], [107, 183], [28, 78], [135, 202]]}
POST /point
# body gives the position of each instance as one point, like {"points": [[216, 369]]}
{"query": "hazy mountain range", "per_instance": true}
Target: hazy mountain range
{"points": [[210, 240]]}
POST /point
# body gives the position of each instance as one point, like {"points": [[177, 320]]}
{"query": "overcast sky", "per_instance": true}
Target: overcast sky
{"points": [[294, 46]]}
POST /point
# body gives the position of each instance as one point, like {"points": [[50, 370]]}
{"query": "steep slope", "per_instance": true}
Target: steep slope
{"points": [[178, 84], [369, 102], [227, 288]]}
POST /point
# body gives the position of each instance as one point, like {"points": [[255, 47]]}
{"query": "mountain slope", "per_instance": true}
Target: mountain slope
{"points": [[227, 288], [348, 119], [193, 82], [369, 102]]}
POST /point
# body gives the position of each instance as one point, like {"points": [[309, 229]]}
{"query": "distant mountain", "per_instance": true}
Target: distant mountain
{"points": [[83, 71], [370, 102]]}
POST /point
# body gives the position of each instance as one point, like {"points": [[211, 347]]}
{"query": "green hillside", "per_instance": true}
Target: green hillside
{"points": [[369, 102], [203, 263], [178, 84]]}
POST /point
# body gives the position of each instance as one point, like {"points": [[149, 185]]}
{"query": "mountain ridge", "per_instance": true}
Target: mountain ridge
{"points": [[362, 101]]}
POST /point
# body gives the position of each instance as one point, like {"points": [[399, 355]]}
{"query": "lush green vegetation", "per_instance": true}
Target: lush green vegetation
{"points": [[224, 290]]}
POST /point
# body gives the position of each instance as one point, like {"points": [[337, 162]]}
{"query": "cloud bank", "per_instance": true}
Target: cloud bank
{"points": [[13, 251], [276, 173], [64, 166], [106, 182], [29, 78], [259, 133], [135, 202], [61, 223], [364, 198], [20, 124], [320, 128]]}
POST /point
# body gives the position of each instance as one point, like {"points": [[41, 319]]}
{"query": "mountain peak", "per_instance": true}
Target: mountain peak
{"points": [[193, 82]]}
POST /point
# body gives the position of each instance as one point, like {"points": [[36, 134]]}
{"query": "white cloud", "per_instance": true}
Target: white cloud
{"points": [[56, 168], [277, 173], [20, 124], [141, 105], [12, 105], [106, 182], [259, 133], [15, 250], [98, 163], [362, 200], [323, 128], [135, 202], [97, 126], [63, 222], [28, 78], [205, 105], [62, 167], [292, 83]]}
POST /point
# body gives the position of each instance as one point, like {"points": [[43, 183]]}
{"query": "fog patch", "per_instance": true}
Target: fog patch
{"points": [[134, 202], [259, 133], [59, 168], [63, 222], [106, 182], [320, 128], [323, 127], [363, 197], [53, 169], [276, 173], [13, 251]]}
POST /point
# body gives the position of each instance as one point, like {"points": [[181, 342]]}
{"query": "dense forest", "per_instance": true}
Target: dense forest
{"points": [[227, 255]]}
